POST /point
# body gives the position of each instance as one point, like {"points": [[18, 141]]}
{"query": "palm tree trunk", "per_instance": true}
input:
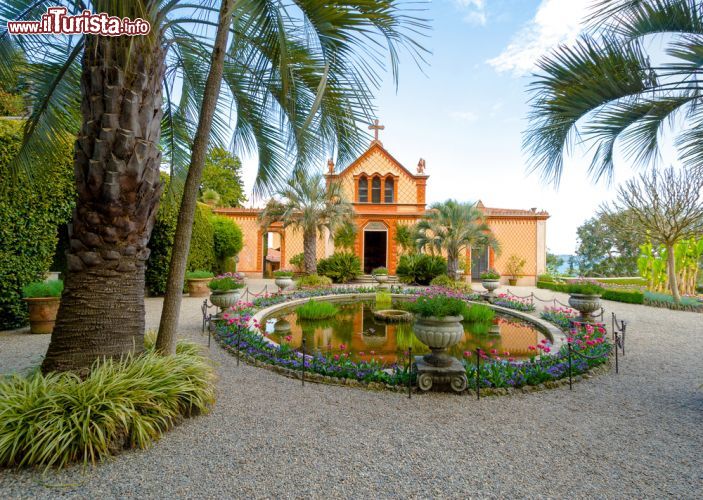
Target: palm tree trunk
{"points": [[673, 282], [116, 167], [452, 265], [310, 250], [166, 339]]}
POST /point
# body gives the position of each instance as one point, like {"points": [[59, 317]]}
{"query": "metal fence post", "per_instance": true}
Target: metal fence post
{"points": [[302, 378], [239, 329], [410, 368], [570, 379], [478, 373], [617, 341], [623, 327]]}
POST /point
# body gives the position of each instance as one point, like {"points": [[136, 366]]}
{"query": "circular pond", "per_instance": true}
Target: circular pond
{"points": [[355, 331]]}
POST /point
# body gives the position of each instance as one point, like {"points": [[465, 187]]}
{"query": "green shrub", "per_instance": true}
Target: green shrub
{"points": [[202, 252], [31, 211], [316, 310], [622, 281], [420, 268], [313, 280], [39, 289], [226, 283], [298, 260], [585, 288], [340, 267], [478, 313], [627, 296], [438, 305], [556, 287], [380, 271], [666, 300], [491, 274], [198, 275], [442, 280], [56, 419], [545, 278], [227, 236]]}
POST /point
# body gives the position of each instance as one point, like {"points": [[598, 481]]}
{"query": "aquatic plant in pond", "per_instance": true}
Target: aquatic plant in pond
{"points": [[438, 306], [478, 313], [314, 310]]}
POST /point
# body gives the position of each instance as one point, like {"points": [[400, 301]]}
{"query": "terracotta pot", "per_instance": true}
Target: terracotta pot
{"points": [[42, 313], [439, 334], [512, 281], [197, 287]]}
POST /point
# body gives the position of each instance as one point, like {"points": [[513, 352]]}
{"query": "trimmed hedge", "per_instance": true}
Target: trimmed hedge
{"points": [[31, 210], [202, 253], [228, 240], [627, 296]]}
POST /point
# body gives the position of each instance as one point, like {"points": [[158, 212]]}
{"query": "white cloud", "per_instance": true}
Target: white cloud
{"points": [[465, 116], [474, 11], [556, 21]]}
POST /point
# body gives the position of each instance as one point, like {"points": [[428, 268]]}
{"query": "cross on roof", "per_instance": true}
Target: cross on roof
{"points": [[376, 127]]}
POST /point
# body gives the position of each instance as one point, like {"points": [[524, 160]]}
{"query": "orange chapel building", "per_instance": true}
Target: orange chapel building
{"points": [[386, 194]]}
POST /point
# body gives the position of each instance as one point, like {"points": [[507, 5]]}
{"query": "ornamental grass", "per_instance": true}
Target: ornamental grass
{"points": [[56, 419], [478, 313], [313, 310]]}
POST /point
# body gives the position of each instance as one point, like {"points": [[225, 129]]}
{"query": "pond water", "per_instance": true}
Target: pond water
{"points": [[355, 331]]}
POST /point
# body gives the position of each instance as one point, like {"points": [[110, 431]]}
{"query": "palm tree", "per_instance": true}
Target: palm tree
{"points": [[298, 76], [311, 207], [605, 90], [454, 227]]}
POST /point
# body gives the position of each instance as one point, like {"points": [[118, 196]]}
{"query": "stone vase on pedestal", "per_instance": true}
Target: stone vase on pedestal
{"points": [[224, 299], [491, 286], [380, 278], [439, 334], [585, 304], [284, 282]]}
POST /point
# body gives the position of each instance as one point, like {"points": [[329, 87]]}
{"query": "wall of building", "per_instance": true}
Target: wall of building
{"points": [[517, 236]]}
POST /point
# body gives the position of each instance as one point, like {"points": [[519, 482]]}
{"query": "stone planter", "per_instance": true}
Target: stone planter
{"points": [[225, 300], [197, 287], [282, 326], [42, 313], [439, 334], [380, 278], [585, 304], [283, 283]]}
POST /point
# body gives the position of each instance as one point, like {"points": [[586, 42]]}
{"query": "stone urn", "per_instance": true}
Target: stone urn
{"points": [[224, 299], [197, 287], [439, 334], [284, 282], [42, 313], [585, 304], [380, 278], [491, 286]]}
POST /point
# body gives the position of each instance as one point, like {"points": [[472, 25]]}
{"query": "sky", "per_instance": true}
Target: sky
{"points": [[465, 112]]}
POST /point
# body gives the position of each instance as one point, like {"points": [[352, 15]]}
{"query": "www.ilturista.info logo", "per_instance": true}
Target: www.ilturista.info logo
{"points": [[57, 21]]}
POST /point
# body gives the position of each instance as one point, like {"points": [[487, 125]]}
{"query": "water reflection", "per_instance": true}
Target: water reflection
{"points": [[356, 330]]}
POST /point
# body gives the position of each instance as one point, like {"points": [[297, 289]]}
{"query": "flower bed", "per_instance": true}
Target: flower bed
{"points": [[560, 316], [240, 332], [513, 302]]}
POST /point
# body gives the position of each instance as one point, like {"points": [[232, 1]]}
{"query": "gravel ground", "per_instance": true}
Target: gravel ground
{"points": [[636, 434]]}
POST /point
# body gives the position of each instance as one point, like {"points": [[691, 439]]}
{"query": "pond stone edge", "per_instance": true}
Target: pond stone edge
{"points": [[557, 335]]}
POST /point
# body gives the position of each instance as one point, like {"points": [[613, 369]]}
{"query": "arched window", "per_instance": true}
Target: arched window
{"points": [[363, 190], [376, 190], [389, 191]]}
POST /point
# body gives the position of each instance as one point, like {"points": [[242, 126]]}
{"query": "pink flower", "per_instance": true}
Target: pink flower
{"points": [[288, 338], [506, 353], [372, 353], [361, 353], [531, 347], [511, 359], [569, 339], [467, 354], [336, 357], [590, 342], [547, 349], [342, 347], [494, 351]]}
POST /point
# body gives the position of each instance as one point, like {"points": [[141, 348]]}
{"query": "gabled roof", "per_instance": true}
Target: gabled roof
{"points": [[377, 146]]}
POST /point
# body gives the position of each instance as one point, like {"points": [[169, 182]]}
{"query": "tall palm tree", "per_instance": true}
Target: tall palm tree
{"points": [[604, 89], [310, 206], [454, 227], [298, 77]]}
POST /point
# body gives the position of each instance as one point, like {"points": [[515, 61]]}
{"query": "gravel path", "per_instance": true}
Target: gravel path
{"points": [[636, 434]]}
